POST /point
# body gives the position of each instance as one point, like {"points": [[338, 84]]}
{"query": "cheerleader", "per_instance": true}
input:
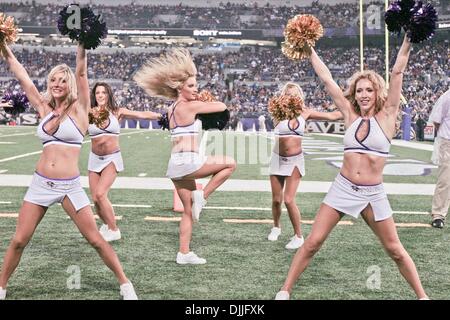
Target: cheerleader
{"points": [[105, 158], [173, 76], [287, 165], [64, 114], [370, 112]]}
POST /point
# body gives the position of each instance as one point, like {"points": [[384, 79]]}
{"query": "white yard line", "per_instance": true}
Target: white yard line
{"points": [[98, 218], [412, 225], [412, 212], [270, 221], [21, 156], [132, 205], [126, 205], [12, 180], [9, 215], [165, 219], [17, 134], [239, 208]]}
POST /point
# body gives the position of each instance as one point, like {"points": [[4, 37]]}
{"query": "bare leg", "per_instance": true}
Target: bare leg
{"points": [[85, 222], [184, 188], [277, 184], [387, 233], [220, 167], [290, 191], [326, 220], [29, 217], [99, 185]]}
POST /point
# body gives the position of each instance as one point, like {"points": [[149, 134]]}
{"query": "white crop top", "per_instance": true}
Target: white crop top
{"points": [[283, 128], [188, 130], [112, 129], [375, 142], [67, 132]]}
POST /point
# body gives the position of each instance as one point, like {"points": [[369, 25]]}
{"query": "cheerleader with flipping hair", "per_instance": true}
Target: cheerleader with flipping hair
{"points": [[173, 76]]}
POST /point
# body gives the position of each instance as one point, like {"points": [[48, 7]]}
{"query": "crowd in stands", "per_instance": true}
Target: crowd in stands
{"points": [[225, 15], [247, 78]]}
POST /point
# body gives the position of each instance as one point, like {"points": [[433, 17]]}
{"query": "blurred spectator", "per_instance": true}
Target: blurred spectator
{"points": [[420, 126]]}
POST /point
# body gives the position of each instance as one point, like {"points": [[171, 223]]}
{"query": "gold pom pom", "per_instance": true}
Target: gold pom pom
{"points": [[98, 117], [8, 30], [301, 33], [206, 96], [285, 107], [295, 53]]}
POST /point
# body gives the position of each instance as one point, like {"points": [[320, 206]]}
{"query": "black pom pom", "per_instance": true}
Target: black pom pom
{"points": [[19, 102], [216, 120], [398, 14], [91, 29], [164, 122], [423, 23]]}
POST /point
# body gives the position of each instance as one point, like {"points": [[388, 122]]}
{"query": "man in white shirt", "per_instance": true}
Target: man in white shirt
{"points": [[440, 115]]}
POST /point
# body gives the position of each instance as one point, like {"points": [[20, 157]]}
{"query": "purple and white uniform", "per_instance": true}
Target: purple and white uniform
{"points": [[46, 191], [184, 163], [96, 162], [284, 166], [350, 198]]}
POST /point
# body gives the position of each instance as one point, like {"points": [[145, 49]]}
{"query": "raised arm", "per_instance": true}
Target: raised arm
{"points": [[81, 79], [331, 116], [395, 86], [330, 85], [32, 93], [200, 107], [147, 115]]}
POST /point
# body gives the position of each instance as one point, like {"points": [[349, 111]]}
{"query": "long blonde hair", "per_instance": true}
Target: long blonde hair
{"points": [[379, 86], [161, 77], [71, 84], [290, 85]]}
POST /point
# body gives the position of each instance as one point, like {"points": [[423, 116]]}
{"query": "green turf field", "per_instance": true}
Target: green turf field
{"points": [[242, 264]]}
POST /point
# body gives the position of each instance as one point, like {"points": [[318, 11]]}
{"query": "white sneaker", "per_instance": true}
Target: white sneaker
{"points": [[103, 228], [127, 291], [198, 202], [274, 234], [108, 234], [282, 295], [2, 293], [189, 258], [295, 242]]}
